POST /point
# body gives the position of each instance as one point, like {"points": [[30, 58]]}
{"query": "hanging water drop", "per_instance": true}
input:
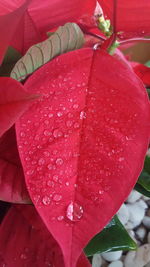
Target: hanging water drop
{"points": [[74, 212]]}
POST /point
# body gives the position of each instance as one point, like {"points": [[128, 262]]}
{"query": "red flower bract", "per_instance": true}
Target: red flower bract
{"points": [[27, 242], [86, 139], [26, 26], [132, 17]]}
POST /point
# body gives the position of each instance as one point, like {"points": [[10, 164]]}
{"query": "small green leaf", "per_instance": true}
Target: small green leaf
{"points": [[142, 190], [143, 183], [67, 38], [11, 57], [144, 180], [147, 164], [113, 237]]}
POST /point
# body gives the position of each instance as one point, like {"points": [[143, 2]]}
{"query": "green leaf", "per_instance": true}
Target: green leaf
{"points": [[144, 180], [67, 38], [113, 237], [142, 190], [143, 183], [147, 164], [11, 57]]}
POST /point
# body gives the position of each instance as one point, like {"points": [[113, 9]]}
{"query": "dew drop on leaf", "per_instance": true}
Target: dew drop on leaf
{"points": [[74, 212], [60, 218], [46, 200], [23, 256], [57, 197], [59, 161], [82, 115], [57, 133], [41, 161]]}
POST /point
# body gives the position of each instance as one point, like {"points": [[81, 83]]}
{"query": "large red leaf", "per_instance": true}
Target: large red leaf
{"points": [[13, 102], [40, 18], [142, 71], [12, 182], [34, 245], [87, 138], [132, 16], [9, 20]]}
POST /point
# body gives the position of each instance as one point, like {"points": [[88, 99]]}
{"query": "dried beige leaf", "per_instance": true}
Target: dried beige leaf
{"points": [[67, 38]]}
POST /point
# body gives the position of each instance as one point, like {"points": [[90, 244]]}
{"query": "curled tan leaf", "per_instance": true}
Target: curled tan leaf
{"points": [[67, 38]]}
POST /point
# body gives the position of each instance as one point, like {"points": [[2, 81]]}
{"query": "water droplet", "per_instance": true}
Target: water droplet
{"points": [[27, 159], [50, 166], [101, 192], [57, 133], [30, 172], [57, 197], [82, 115], [75, 106], [47, 133], [55, 178], [59, 161], [46, 153], [33, 162], [41, 161], [74, 212], [121, 159], [22, 134], [67, 183], [50, 115], [23, 256], [50, 183], [70, 115], [46, 200], [59, 113], [76, 125], [69, 123], [60, 218]]}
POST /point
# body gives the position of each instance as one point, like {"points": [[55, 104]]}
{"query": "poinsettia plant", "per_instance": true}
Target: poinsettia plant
{"points": [[74, 126]]}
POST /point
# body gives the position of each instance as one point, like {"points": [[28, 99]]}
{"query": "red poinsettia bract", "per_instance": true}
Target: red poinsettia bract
{"points": [[81, 143]]}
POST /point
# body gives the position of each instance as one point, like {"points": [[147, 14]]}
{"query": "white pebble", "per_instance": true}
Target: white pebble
{"points": [[141, 232], [138, 258], [134, 196], [136, 213], [116, 264], [97, 260], [146, 222], [123, 214], [112, 256]]}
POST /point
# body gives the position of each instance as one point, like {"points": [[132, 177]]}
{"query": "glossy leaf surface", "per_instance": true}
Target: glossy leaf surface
{"points": [[12, 181], [34, 244], [144, 178], [114, 237], [13, 102], [142, 190], [84, 143]]}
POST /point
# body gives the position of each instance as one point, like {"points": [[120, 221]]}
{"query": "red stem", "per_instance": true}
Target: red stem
{"points": [[112, 39]]}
